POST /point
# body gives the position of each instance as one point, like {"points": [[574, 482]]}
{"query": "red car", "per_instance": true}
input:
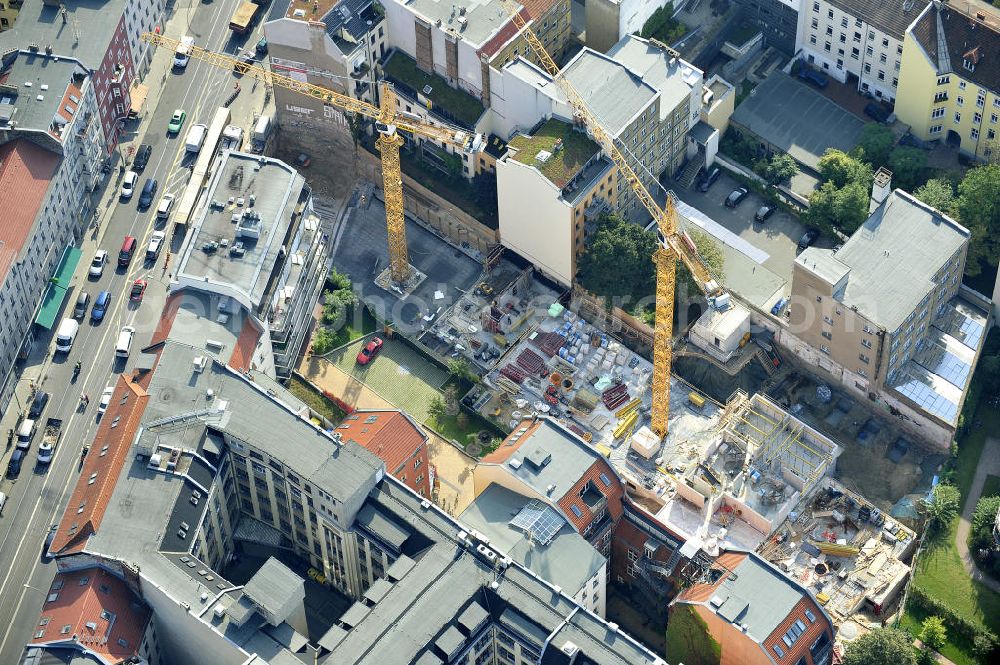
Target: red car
{"points": [[370, 351], [138, 289]]}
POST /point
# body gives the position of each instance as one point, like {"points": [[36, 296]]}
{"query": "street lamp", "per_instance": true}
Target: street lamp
{"points": [[28, 586]]}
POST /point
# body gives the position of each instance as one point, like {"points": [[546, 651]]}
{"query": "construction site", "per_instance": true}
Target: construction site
{"points": [[846, 551]]}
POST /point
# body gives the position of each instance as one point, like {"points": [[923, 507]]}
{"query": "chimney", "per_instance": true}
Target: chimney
{"points": [[881, 187]]}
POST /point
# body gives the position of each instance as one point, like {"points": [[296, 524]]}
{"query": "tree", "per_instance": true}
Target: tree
{"points": [[711, 255], [981, 530], [875, 145], [459, 368], [882, 646], [618, 261], [838, 167], [937, 193], [942, 507], [779, 169], [436, 409], [907, 165], [978, 209], [933, 632], [322, 341], [845, 208]]}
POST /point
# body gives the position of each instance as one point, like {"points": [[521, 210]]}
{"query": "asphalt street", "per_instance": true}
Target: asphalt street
{"points": [[37, 497]]}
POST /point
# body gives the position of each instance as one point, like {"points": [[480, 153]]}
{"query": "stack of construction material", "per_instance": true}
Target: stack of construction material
{"points": [[531, 363], [549, 342], [585, 400], [512, 373], [615, 396]]}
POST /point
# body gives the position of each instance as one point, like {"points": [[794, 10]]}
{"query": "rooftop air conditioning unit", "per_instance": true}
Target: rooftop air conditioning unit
{"points": [[569, 648], [219, 611]]}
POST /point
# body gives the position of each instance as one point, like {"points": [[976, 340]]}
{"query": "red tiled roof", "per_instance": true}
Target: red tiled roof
{"points": [[699, 593], [612, 493], [95, 610], [89, 500], [390, 435], [166, 319], [242, 355], [538, 8], [504, 35], [806, 639], [508, 448], [25, 172]]}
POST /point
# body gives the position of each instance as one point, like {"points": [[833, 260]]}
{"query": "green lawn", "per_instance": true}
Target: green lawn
{"points": [[315, 400], [574, 150], [991, 487], [939, 569], [463, 106], [359, 323]]}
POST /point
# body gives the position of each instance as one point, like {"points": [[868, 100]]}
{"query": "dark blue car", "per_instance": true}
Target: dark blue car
{"points": [[101, 304]]}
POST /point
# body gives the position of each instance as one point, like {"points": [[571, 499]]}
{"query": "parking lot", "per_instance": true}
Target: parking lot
{"points": [[778, 236]]}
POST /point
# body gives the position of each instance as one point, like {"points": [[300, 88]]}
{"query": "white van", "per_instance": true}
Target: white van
{"points": [[124, 345], [66, 334], [3, 501], [195, 137], [183, 52], [25, 432]]}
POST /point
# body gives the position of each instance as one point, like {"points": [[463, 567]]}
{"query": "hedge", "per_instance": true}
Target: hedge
{"points": [[984, 639]]}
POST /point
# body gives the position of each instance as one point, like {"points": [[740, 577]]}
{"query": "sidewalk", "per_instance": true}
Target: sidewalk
{"points": [[989, 464]]}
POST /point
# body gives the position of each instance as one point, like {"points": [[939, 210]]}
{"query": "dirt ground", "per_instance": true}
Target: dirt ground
{"points": [[332, 171]]}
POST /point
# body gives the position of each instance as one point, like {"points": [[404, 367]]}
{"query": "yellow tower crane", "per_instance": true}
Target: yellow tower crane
{"points": [[673, 245], [388, 122]]}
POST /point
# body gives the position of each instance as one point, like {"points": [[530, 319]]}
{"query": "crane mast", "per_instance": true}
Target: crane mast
{"points": [[671, 246], [388, 123]]}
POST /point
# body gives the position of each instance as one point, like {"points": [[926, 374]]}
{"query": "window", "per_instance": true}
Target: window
{"points": [[779, 651], [990, 134], [958, 117], [828, 319], [843, 22], [968, 64], [843, 38], [868, 68], [944, 80], [977, 118], [829, 13], [885, 42], [855, 53], [825, 349], [960, 100], [857, 37], [605, 480], [863, 358], [867, 343], [810, 616], [812, 39], [827, 47], [980, 100], [815, 6], [993, 118], [881, 58], [815, 23], [829, 31], [938, 112], [974, 133], [881, 75], [869, 51], [961, 85], [576, 510], [862, 372], [941, 96], [895, 82]]}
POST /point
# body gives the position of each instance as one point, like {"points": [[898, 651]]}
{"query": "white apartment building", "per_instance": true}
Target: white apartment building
{"points": [[50, 152], [857, 41]]}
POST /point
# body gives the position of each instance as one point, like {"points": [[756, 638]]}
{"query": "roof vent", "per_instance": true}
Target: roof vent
{"points": [[514, 463], [569, 648], [219, 611], [199, 364], [91, 626], [543, 156], [427, 90], [203, 596], [613, 626], [550, 489]]}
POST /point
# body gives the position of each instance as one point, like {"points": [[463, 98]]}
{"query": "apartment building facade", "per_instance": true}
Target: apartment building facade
{"points": [[51, 148], [8, 13], [104, 38], [880, 312], [949, 86], [777, 19], [610, 20], [858, 42], [559, 177]]}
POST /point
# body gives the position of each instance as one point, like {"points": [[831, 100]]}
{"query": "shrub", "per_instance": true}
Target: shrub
{"points": [[322, 341], [882, 646], [933, 632], [953, 621], [942, 507]]}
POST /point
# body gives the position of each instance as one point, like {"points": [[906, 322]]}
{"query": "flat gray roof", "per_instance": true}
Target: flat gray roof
{"points": [[568, 459], [796, 119], [483, 18], [894, 257], [41, 81], [567, 560], [759, 596], [85, 35], [273, 585], [823, 264], [672, 77], [613, 93], [275, 189]]}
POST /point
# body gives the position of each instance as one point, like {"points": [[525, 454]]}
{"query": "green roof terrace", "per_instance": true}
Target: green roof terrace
{"points": [[451, 104], [569, 151]]}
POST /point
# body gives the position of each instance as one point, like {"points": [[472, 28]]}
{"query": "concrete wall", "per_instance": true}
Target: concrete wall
{"points": [[610, 20], [184, 639], [517, 105], [535, 221]]}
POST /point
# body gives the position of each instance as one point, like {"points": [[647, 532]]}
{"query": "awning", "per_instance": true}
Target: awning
{"points": [[58, 286], [138, 95]]}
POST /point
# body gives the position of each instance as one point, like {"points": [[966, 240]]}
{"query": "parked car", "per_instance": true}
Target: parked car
{"points": [[105, 400], [736, 197], [163, 209], [128, 185], [97, 265], [82, 304], [764, 212], [708, 179], [101, 304], [877, 112], [138, 289], [812, 77], [808, 238], [48, 541], [38, 404], [155, 244], [142, 156], [14, 465], [176, 121], [371, 350], [148, 192]]}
